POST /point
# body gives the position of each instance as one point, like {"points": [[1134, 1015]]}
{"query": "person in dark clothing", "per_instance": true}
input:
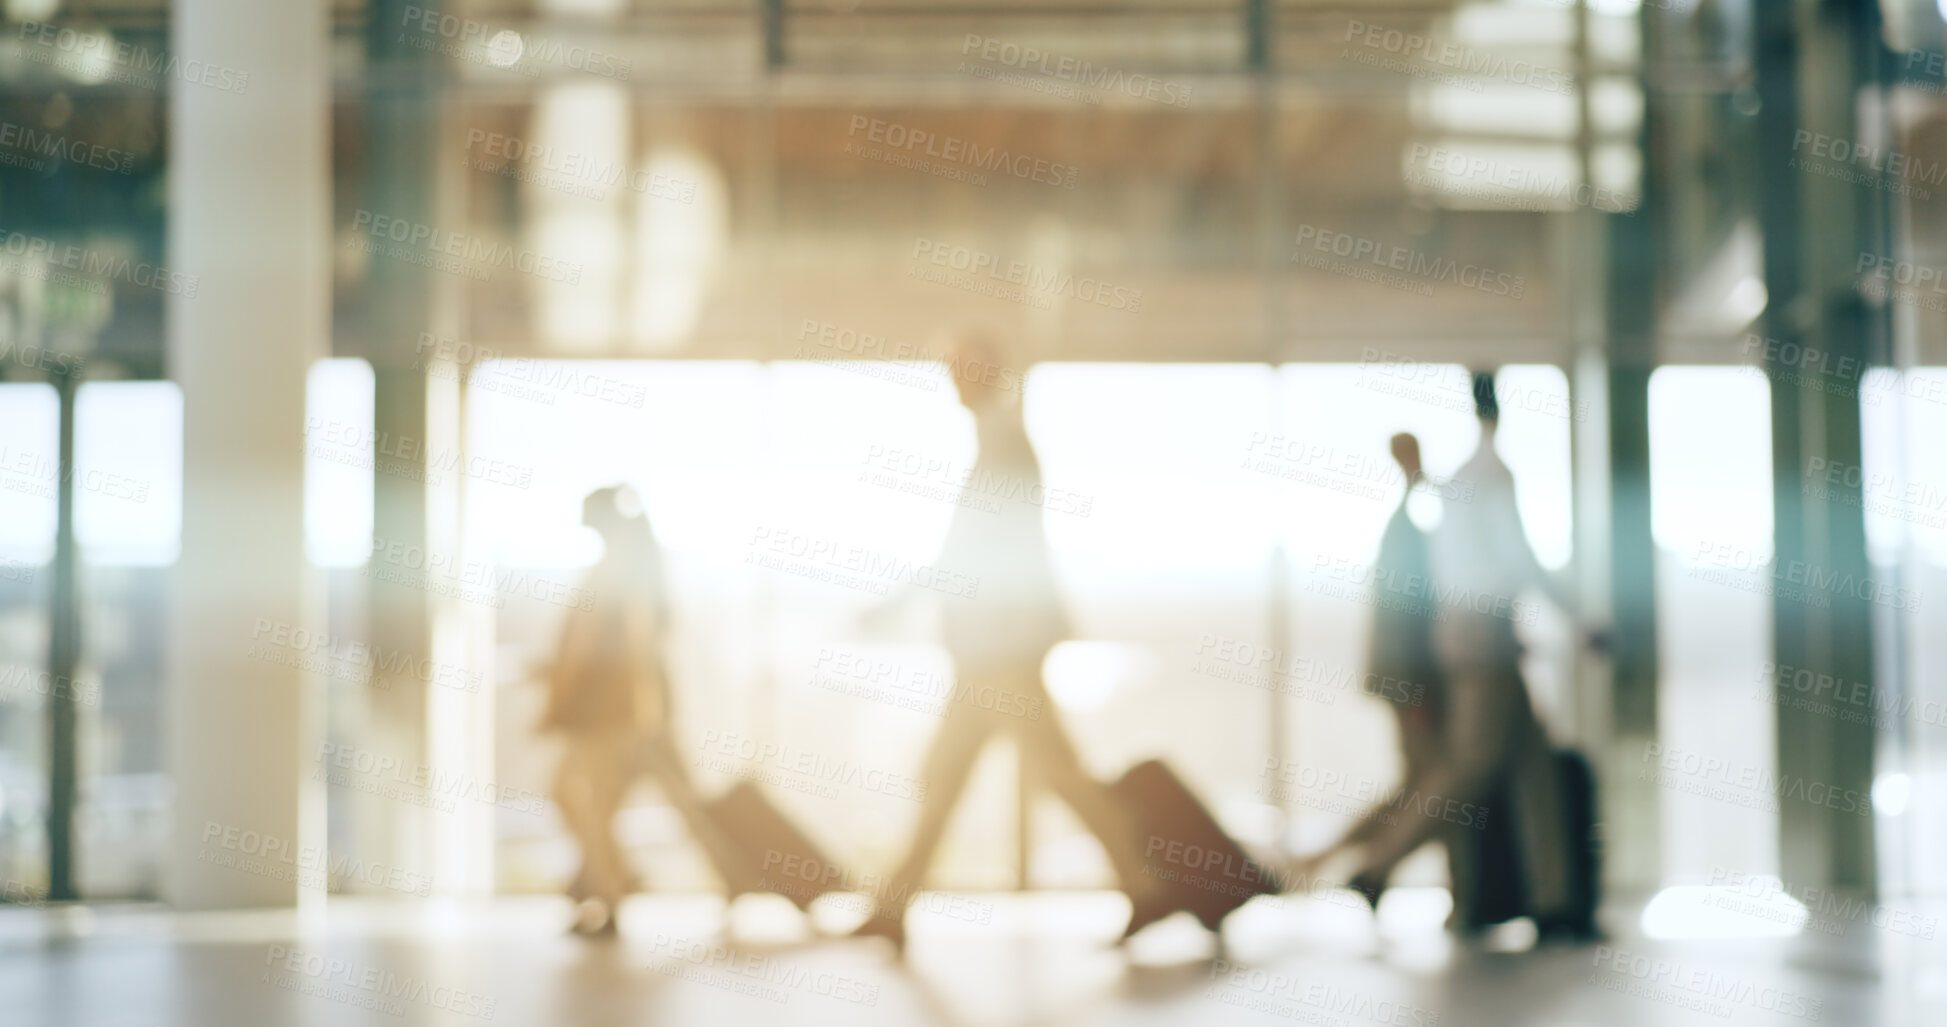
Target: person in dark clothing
{"points": [[1403, 668], [609, 699]]}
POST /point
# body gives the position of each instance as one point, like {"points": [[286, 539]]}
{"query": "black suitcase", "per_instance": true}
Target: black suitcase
{"points": [[1584, 840], [771, 854], [1202, 870], [1488, 871]]}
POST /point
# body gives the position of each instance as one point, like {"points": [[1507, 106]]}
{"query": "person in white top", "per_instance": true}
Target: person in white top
{"points": [[998, 635], [1492, 749]]}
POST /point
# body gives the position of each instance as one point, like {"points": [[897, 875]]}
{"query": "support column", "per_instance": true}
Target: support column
{"points": [[249, 195], [63, 656], [1809, 61], [402, 136], [1631, 812]]}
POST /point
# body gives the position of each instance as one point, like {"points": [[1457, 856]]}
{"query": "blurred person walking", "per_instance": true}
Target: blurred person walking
{"points": [[998, 637], [1402, 667], [1494, 754], [609, 698]]}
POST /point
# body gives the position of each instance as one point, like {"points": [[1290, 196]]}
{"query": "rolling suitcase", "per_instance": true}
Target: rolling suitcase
{"points": [[771, 853], [1202, 870], [1487, 867], [1584, 842]]}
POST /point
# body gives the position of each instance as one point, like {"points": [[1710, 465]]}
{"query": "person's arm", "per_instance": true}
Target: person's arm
{"points": [[1513, 546]]}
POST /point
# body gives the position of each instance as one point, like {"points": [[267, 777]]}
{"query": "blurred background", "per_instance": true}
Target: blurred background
{"points": [[318, 320]]}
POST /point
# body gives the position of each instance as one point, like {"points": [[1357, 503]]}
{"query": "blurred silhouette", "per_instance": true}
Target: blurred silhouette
{"points": [[1402, 664], [609, 698], [998, 638], [1494, 754]]}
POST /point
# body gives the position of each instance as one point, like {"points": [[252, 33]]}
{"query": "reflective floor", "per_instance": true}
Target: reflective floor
{"points": [[1043, 959]]}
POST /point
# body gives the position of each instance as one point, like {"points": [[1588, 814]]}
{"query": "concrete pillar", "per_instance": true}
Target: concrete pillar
{"points": [[249, 194]]}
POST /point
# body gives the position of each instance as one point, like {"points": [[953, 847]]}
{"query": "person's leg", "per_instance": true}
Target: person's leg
{"points": [[1479, 714], [739, 869], [1047, 749], [1420, 750], [1051, 753], [589, 786], [948, 765]]}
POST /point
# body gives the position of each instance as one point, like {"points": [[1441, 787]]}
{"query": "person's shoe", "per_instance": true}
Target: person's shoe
{"points": [[1567, 930], [1370, 887], [594, 919]]}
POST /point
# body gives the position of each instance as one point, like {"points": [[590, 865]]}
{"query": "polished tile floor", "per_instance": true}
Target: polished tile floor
{"points": [[1040, 959]]}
